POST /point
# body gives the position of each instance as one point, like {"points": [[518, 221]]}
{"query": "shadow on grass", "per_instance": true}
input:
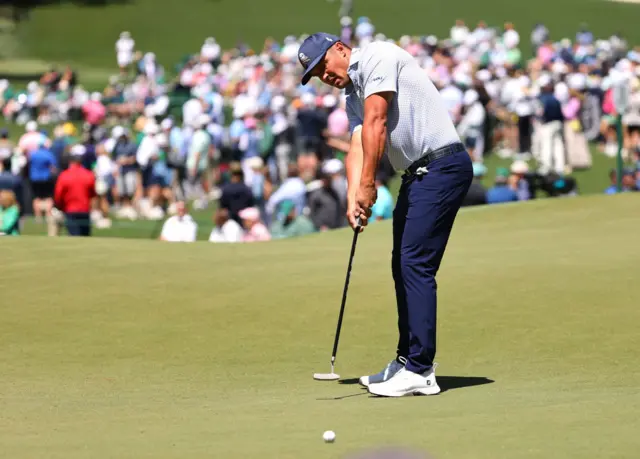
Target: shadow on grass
{"points": [[445, 382]]}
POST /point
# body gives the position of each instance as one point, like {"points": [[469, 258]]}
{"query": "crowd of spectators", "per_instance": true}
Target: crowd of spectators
{"points": [[236, 128]]}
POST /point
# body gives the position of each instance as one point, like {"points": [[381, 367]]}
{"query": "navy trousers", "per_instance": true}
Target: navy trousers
{"points": [[78, 223], [422, 221]]}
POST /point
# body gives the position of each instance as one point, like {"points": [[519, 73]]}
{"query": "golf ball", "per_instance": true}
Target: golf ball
{"points": [[329, 436]]}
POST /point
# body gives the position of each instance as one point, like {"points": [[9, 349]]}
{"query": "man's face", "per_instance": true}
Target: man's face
{"points": [[332, 70], [180, 209]]}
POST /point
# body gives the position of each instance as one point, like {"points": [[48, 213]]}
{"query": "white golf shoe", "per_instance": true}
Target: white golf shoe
{"points": [[391, 369], [405, 382]]}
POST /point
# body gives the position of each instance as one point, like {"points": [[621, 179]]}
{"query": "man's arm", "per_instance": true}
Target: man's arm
{"points": [[353, 164], [380, 77], [374, 134]]}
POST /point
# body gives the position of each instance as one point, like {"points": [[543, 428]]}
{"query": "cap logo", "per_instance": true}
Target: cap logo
{"points": [[304, 59], [329, 39]]}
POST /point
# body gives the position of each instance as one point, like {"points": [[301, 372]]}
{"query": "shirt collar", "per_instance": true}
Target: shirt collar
{"points": [[352, 71]]}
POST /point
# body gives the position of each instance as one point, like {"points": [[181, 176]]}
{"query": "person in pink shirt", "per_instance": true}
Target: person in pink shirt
{"points": [[32, 139], [255, 230], [338, 122], [94, 111], [546, 53], [579, 156]]}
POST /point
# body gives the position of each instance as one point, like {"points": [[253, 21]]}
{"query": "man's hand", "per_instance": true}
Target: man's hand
{"points": [[365, 199]]}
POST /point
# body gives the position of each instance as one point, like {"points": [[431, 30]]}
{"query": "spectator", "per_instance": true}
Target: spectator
{"points": [[255, 230], [250, 146], [552, 154], [325, 209], [9, 181], [42, 171], [126, 172], [311, 124], [198, 155], [32, 139], [9, 214], [236, 195], [6, 146], [517, 180], [104, 171], [146, 156], [578, 153], [74, 191], [94, 111], [292, 188], [125, 46], [383, 207], [180, 227], [334, 169], [477, 194], [471, 127], [261, 186], [628, 181], [226, 229], [501, 192], [289, 224]]}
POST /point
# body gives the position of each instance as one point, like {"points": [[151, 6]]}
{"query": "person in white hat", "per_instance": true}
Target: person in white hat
{"points": [[198, 155], [471, 127], [180, 227], [125, 47], [210, 51], [255, 230]]}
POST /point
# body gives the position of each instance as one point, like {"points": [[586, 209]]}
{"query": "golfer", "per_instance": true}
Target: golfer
{"points": [[393, 107]]}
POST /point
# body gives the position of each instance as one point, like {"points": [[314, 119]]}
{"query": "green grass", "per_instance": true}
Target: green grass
{"points": [[172, 29], [132, 349]]}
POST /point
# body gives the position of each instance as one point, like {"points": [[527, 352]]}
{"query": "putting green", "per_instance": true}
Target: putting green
{"points": [[139, 349]]}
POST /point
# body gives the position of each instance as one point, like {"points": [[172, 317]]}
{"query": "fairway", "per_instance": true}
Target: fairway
{"points": [[138, 349]]}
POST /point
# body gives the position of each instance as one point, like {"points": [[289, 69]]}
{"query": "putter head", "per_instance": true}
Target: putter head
{"points": [[326, 376]]}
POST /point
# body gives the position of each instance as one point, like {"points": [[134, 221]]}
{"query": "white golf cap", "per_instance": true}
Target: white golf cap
{"points": [[166, 123], [117, 132], [329, 101], [519, 167], [483, 75], [470, 97], [544, 80], [308, 99], [203, 120], [78, 150], [577, 81], [332, 166], [255, 162], [278, 103]]}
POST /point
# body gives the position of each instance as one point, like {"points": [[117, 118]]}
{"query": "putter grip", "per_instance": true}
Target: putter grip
{"points": [[358, 222]]}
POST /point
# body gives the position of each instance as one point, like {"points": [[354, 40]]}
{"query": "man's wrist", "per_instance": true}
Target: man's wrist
{"points": [[367, 180]]}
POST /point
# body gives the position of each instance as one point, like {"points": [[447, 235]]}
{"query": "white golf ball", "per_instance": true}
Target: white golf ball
{"points": [[329, 436]]}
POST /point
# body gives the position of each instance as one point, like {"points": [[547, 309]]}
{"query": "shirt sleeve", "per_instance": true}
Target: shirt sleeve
{"points": [[355, 122], [379, 72]]}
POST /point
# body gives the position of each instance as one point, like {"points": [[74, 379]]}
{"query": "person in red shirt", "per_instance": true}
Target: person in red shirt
{"points": [[75, 189]]}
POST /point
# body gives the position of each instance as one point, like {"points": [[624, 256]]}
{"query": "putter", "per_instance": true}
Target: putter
{"points": [[333, 376]]}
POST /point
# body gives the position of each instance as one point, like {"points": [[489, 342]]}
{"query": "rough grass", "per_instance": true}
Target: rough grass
{"points": [[86, 35]]}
